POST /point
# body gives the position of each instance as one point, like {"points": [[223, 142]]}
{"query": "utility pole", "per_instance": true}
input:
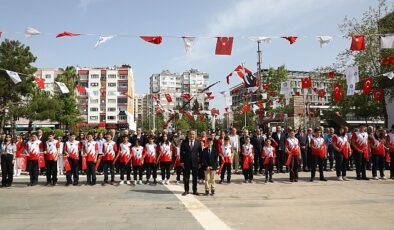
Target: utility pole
{"points": [[260, 85]]}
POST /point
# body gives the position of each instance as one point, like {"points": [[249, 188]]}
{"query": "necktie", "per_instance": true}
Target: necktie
{"points": [[191, 144], [209, 152]]}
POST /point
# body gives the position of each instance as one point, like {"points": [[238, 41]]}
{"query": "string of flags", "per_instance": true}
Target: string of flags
{"points": [[224, 44]]}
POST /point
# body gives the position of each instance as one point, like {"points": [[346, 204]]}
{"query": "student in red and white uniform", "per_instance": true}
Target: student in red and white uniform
{"points": [[292, 147], [177, 164], [109, 152], [71, 149], [20, 147], [268, 154], [151, 159], [390, 144], [34, 148], [90, 151], [51, 156], [378, 151], [342, 152], [226, 152], [319, 153], [166, 151], [125, 159], [137, 157], [247, 152], [359, 143]]}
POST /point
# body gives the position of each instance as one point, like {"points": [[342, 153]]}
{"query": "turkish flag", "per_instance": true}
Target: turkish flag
{"points": [[154, 97], [98, 161], [67, 166], [272, 93], [168, 97], [367, 86], [330, 74], [215, 112], [260, 104], [291, 39], [321, 93], [84, 163], [358, 43], [246, 108], [378, 95], [22, 162], [40, 82], [306, 82], [242, 71], [186, 96], [388, 60], [81, 89], [41, 161], [337, 92], [201, 117], [152, 39], [267, 86], [224, 45], [209, 96], [188, 115], [66, 34]]}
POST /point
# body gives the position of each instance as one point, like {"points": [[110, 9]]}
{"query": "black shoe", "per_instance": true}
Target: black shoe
{"points": [[104, 183], [47, 183], [54, 183], [271, 181], [323, 179], [75, 183], [221, 182], [212, 192], [67, 184], [228, 181], [30, 184], [365, 178], [266, 180], [311, 180], [295, 180], [196, 193], [206, 192], [291, 180], [92, 184], [185, 193], [358, 178]]}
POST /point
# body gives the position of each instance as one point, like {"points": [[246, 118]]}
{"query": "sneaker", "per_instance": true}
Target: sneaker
{"points": [[340, 178], [134, 182], [375, 178], [140, 182], [177, 182], [221, 182], [383, 178], [128, 182], [121, 182], [245, 181], [345, 178]]}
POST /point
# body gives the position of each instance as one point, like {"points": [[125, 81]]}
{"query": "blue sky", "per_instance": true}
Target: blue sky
{"points": [[187, 17]]}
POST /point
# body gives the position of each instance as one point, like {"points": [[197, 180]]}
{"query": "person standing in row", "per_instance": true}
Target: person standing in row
{"points": [[280, 138], [90, 151], [209, 164], [20, 147], [60, 160], [292, 147], [8, 155], [51, 157], [34, 148], [268, 154], [378, 150], [361, 152], [248, 160], [177, 161], [125, 160], [319, 153], [191, 149], [137, 157], [151, 160], [72, 149], [258, 144], [109, 151], [236, 146], [390, 144], [166, 151], [342, 151], [225, 152]]}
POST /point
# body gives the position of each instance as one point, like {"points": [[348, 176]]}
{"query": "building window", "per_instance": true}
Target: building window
{"points": [[94, 84], [48, 76], [122, 100], [123, 85], [111, 118], [94, 100], [111, 76], [94, 76], [122, 77], [111, 84], [111, 109], [93, 109], [122, 117], [93, 118], [111, 101]]}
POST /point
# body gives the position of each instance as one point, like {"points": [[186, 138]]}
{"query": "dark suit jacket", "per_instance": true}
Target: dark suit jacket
{"points": [[209, 160], [281, 141], [258, 144], [191, 157]]}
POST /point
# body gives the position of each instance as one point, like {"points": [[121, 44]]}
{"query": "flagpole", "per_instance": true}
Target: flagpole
{"points": [[259, 61]]}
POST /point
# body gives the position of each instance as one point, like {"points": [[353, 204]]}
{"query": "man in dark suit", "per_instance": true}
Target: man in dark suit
{"points": [[191, 150], [303, 140], [209, 163], [258, 144], [280, 138]]}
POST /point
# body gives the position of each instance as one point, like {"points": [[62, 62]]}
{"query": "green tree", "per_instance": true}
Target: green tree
{"points": [[367, 60], [183, 124], [16, 57], [69, 113]]}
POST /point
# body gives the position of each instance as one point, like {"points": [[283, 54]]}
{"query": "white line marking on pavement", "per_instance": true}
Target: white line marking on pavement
{"points": [[201, 213]]}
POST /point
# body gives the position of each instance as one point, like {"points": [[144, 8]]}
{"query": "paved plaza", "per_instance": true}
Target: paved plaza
{"points": [[280, 205]]}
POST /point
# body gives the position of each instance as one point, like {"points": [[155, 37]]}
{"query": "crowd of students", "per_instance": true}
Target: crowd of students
{"points": [[139, 155]]}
